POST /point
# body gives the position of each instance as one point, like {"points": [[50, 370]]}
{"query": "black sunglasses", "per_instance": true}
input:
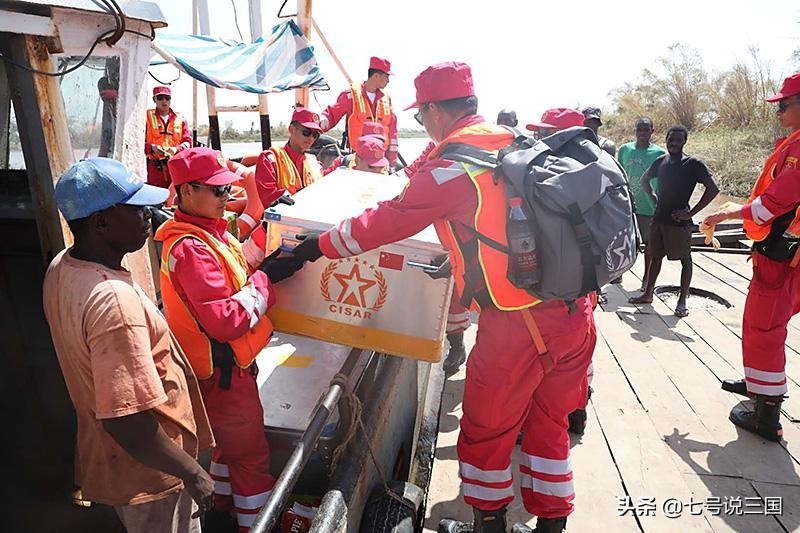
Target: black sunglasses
{"points": [[783, 105], [418, 114], [163, 97], [310, 133], [218, 190]]}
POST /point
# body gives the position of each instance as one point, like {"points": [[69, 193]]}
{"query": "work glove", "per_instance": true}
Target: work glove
{"points": [[308, 249], [285, 199], [444, 269], [279, 268]]}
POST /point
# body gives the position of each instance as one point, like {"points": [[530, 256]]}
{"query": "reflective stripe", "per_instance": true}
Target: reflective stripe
{"points": [[444, 174], [253, 302], [247, 219], [762, 375], [487, 476], [553, 467], [488, 494], [253, 502], [253, 254], [323, 122], [223, 488], [218, 469], [171, 263], [561, 489], [347, 238], [761, 215], [246, 519], [766, 390], [337, 243], [458, 317]]}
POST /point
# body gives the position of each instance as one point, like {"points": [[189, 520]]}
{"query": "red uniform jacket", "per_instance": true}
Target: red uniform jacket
{"points": [[267, 174], [783, 194]]}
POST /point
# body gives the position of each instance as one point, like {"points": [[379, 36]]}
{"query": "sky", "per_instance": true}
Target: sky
{"points": [[529, 55]]}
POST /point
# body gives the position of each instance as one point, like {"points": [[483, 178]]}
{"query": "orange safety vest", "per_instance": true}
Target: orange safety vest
{"points": [[167, 137], [768, 173], [490, 220], [362, 112], [183, 325], [289, 177]]}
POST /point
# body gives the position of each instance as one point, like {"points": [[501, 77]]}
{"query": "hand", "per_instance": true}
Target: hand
{"points": [[308, 249], [444, 269], [723, 215], [159, 150], [285, 199], [279, 268], [200, 487], [171, 151], [681, 215]]}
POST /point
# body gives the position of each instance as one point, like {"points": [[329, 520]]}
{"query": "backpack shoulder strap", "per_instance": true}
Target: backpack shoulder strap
{"points": [[467, 153]]}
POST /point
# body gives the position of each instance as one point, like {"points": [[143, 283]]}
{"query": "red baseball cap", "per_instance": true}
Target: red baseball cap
{"points": [[161, 89], [306, 118], [380, 64], [373, 128], [790, 87], [200, 164], [372, 151], [559, 118], [443, 81]]}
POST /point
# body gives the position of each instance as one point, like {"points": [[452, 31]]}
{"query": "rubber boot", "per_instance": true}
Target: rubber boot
{"points": [[577, 418], [456, 355], [736, 386], [543, 525], [764, 420], [483, 522]]}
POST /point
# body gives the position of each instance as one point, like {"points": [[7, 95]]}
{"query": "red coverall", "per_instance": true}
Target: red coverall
{"points": [[267, 174], [344, 107], [774, 294], [506, 387], [240, 462], [154, 175]]}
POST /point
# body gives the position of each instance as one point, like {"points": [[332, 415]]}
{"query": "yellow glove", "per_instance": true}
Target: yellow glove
{"points": [[708, 231]]}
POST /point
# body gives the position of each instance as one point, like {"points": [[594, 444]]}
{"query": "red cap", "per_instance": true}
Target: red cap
{"points": [[443, 81], [790, 87], [161, 89], [372, 151], [306, 118], [200, 164], [559, 118], [380, 64], [373, 128]]}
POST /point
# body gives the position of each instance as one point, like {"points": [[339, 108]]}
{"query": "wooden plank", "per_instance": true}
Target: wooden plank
{"points": [[790, 503]]}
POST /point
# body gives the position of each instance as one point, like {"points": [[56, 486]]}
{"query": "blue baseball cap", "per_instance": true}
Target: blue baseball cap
{"points": [[97, 183]]}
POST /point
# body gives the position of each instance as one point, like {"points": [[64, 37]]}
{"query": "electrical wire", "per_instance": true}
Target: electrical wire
{"points": [[165, 82], [236, 20], [281, 9]]}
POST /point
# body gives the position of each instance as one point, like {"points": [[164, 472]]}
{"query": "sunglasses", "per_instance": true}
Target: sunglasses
{"points": [[163, 97], [418, 114], [310, 133], [783, 105], [218, 190]]}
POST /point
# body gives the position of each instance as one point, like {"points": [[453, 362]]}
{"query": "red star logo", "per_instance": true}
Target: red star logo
{"points": [[353, 287]]}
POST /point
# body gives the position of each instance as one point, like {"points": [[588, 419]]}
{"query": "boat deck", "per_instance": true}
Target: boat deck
{"points": [[658, 430]]}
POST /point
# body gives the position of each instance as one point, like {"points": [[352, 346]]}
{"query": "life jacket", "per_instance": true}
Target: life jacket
{"points": [[194, 341], [167, 136], [768, 173], [362, 112], [289, 177], [480, 270]]}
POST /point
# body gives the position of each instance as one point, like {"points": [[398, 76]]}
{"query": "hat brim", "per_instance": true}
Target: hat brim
{"points": [[594, 117], [780, 96], [222, 176], [540, 126], [412, 106], [148, 195], [382, 162], [311, 125]]}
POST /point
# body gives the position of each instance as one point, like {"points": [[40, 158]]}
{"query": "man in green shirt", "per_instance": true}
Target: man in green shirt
{"points": [[636, 157]]}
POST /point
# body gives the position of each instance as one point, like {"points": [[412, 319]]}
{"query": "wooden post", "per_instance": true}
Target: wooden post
{"points": [[256, 31], [331, 52], [211, 97], [304, 21], [5, 117], [194, 81]]}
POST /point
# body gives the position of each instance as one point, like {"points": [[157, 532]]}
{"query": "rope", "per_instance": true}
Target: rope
{"points": [[357, 423]]}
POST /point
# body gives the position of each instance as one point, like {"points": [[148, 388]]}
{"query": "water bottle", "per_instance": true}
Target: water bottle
{"points": [[523, 265]]}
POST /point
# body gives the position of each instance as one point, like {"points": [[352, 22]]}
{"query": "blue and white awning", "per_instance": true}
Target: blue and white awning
{"points": [[283, 61]]}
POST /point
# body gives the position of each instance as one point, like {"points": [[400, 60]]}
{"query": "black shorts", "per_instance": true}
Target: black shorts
{"points": [[669, 240], [644, 221]]}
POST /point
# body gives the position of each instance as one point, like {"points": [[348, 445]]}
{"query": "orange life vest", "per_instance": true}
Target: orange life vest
{"points": [[362, 112], [289, 177], [183, 325], [768, 173], [490, 220], [167, 137]]}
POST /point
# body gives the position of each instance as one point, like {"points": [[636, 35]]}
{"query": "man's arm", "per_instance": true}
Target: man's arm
{"points": [[411, 169], [267, 179], [709, 194], [332, 114], [645, 180], [392, 149], [186, 137], [142, 437]]}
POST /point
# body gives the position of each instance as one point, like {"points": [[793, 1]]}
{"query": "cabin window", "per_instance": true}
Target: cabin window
{"points": [[90, 99]]}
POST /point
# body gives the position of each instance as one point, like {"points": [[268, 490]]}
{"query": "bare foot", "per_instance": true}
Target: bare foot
{"points": [[681, 311], [641, 299]]}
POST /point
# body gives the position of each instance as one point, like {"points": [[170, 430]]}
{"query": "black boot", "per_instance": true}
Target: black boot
{"points": [[543, 525], [764, 420], [483, 522], [736, 386], [456, 355]]}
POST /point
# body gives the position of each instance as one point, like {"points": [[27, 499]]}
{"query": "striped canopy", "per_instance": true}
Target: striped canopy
{"points": [[284, 61]]}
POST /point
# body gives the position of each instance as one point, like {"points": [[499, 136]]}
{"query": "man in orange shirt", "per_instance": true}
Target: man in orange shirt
{"points": [[141, 420]]}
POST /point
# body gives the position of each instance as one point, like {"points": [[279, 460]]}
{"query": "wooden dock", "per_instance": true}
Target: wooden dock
{"points": [[658, 430]]}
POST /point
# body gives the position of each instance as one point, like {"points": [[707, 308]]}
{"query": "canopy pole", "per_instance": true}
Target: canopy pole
{"points": [[211, 96], [257, 31], [194, 81], [304, 22], [330, 51]]}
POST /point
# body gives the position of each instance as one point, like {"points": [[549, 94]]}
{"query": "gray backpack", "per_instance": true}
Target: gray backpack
{"points": [[576, 197]]}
